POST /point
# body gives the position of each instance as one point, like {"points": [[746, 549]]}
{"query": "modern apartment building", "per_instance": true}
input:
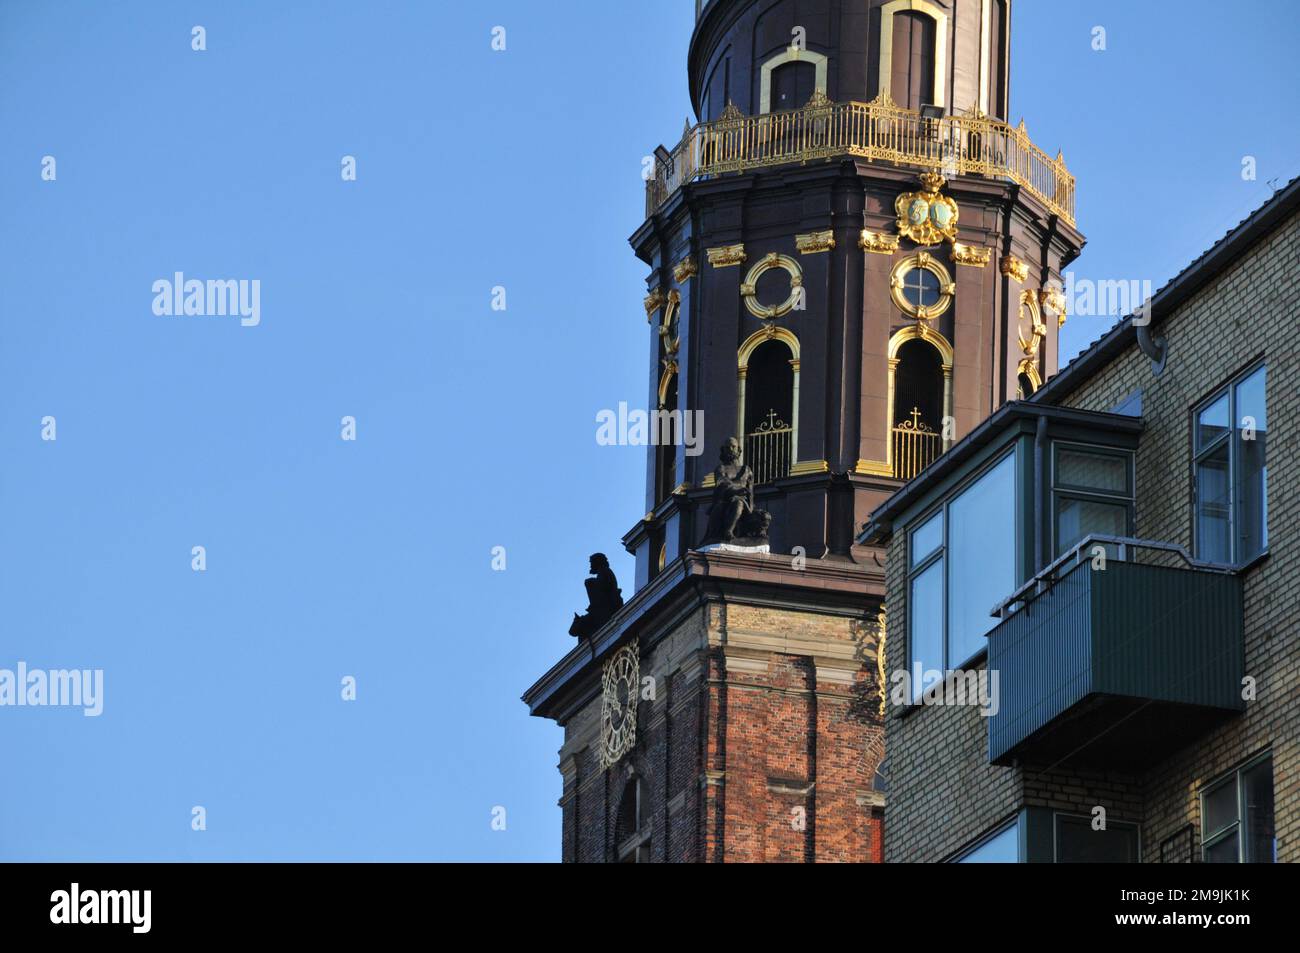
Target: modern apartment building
{"points": [[1094, 594]]}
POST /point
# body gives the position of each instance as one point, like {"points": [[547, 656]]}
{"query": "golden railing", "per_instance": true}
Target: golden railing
{"points": [[768, 449], [916, 446], [972, 144]]}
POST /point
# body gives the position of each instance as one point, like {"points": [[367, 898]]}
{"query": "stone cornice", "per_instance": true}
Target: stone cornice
{"points": [[828, 587]]}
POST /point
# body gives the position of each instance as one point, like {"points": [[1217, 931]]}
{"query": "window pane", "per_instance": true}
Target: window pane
{"points": [[1078, 843], [1257, 792], [1212, 422], [981, 558], [1252, 501], [929, 287], [1076, 519], [928, 538], [1223, 852], [1213, 523], [925, 608], [1094, 471], [1001, 848], [921, 288], [1250, 401], [1220, 808]]}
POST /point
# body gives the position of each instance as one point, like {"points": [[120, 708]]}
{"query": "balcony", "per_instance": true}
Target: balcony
{"points": [[972, 144], [1115, 667]]}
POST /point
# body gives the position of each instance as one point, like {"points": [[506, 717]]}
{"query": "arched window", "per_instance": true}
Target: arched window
{"points": [[631, 836], [918, 408], [1028, 380], [919, 399], [769, 403], [913, 52]]}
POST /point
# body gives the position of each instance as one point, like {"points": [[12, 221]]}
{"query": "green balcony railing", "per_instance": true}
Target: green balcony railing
{"points": [[1115, 665]]}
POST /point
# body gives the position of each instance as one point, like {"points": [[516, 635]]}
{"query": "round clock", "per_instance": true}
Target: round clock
{"points": [[620, 683]]}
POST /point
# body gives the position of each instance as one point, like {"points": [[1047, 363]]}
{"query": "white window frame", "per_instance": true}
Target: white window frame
{"points": [[1238, 827]]}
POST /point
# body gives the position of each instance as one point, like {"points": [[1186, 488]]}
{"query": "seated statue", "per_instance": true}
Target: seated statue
{"points": [[604, 598], [732, 517]]}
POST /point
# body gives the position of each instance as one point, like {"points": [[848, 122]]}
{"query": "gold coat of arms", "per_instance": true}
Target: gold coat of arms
{"points": [[927, 217]]}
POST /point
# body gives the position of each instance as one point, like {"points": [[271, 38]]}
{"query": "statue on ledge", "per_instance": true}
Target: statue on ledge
{"points": [[604, 598], [733, 521]]}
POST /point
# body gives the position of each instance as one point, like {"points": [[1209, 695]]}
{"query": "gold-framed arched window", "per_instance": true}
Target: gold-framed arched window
{"points": [[919, 400], [1028, 379], [767, 402]]}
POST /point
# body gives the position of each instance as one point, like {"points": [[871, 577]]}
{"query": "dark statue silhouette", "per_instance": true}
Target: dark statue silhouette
{"points": [[604, 598], [732, 517]]}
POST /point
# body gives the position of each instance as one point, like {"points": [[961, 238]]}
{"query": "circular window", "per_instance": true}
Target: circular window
{"points": [[749, 289], [921, 287]]}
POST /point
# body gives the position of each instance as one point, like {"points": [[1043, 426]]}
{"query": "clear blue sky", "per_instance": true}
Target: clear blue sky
{"points": [[475, 428]]}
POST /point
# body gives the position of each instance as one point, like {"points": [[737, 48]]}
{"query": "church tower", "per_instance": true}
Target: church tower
{"points": [[854, 258]]}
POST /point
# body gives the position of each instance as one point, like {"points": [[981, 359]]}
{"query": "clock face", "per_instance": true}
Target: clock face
{"points": [[618, 703]]}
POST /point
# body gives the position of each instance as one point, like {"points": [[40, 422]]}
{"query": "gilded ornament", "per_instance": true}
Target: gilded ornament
{"points": [[727, 256], [970, 255], [668, 329], [927, 217], [1029, 325], [1053, 302], [815, 242], [878, 242], [1013, 267], [749, 287], [882, 678], [653, 302]]}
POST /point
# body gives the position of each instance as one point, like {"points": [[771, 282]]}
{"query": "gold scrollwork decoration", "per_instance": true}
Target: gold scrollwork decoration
{"points": [[685, 270], [668, 329], [653, 302], [670, 371], [815, 242], [878, 243], [1013, 267], [1029, 368], [927, 217], [1053, 302], [970, 255], [727, 256], [882, 679], [749, 288], [1029, 324]]}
